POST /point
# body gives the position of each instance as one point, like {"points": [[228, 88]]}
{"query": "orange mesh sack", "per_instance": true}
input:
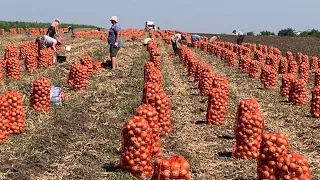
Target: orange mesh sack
{"points": [[273, 146], [292, 167], [249, 127], [136, 147], [151, 115], [175, 167], [161, 102]]}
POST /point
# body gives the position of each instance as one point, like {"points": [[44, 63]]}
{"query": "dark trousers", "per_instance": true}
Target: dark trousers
{"points": [[51, 31], [175, 48], [240, 39]]}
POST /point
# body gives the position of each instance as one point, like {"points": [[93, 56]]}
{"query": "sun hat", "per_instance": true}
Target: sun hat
{"points": [[145, 41], [59, 40], [58, 20], [114, 18]]}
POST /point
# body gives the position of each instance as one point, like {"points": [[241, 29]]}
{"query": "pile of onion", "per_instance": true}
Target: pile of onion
{"points": [[148, 69], [87, 61], [149, 90], [161, 102], [293, 67], [283, 66], [45, 58], [155, 77], [287, 80], [269, 77], [174, 167], [254, 68], [78, 76], [221, 82], [249, 127], [11, 52], [314, 63], [217, 106], [244, 63], [205, 83], [40, 95], [298, 92], [136, 147], [13, 68], [273, 146], [149, 113], [317, 77], [31, 63], [292, 167], [315, 102]]}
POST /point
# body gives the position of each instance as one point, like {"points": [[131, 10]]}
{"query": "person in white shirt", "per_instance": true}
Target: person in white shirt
{"points": [[240, 36], [175, 40], [213, 39], [46, 41]]}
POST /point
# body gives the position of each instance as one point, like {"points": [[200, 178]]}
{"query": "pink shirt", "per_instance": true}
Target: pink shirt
{"points": [[55, 24]]}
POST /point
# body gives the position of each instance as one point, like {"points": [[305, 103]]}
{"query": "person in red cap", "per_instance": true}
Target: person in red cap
{"points": [[53, 29], [46, 41]]}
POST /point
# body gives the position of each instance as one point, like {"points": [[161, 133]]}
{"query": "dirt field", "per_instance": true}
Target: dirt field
{"points": [[306, 45], [80, 140]]}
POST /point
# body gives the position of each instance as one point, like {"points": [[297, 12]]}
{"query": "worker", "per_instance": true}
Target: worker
{"points": [[159, 28], [176, 41], [46, 41], [240, 36], [115, 41], [146, 40], [194, 38], [70, 29], [53, 29], [213, 39]]}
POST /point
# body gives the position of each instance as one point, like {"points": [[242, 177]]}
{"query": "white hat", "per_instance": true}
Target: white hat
{"points": [[58, 20], [114, 18]]}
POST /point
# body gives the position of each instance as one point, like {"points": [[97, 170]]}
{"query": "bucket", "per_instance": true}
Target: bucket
{"points": [[68, 48], [61, 59]]}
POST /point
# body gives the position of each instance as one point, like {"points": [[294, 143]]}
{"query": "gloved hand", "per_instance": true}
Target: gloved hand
{"points": [[116, 44]]}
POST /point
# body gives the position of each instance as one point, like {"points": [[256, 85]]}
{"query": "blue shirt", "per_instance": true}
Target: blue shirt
{"points": [[113, 34], [195, 37]]}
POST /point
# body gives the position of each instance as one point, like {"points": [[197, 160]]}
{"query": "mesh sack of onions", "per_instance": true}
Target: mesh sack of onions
{"points": [[315, 102], [149, 113], [40, 95], [217, 106], [314, 63], [287, 80], [268, 77], [136, 147], [283, 66], [13, 68], [205, 83], [254, 69], [298, 92], [273, 146], [148, 69], [31, 63], [249, 127], [293, 67], [174, 167], [87, 61], [149, 90]]}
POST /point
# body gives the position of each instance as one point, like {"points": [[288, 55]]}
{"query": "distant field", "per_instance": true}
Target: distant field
{"points": [[306, 45]]}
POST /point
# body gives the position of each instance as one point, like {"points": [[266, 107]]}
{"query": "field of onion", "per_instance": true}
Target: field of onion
{"points": [[214, 112]]}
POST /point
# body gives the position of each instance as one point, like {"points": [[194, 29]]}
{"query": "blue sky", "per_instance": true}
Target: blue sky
{"points": [[209, 16]]}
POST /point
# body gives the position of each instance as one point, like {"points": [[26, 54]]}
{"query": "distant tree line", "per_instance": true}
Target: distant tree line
{"points": [[289, 32], [19, 24]]}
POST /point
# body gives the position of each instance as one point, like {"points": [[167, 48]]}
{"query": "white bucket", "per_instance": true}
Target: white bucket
{"points": [[68, 48]]}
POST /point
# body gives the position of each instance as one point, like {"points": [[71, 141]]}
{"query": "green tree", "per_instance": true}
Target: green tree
{"points": [[286, 32], [267, 33], [250, 33]]}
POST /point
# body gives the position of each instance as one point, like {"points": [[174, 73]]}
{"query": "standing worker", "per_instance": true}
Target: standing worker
{"points": [[70, 29], [46, 41], [115, 41], [213, 39], [53, 29], [194, 38], [176, 42], [240, 36]]}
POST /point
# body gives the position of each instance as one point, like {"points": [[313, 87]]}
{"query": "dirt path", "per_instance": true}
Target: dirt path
{"points": [[79, 139], [302, 131]]}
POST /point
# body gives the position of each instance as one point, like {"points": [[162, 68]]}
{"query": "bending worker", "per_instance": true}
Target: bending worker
{"points": [[240, 36], [146, 40], [194, 38], [46, 41], [213, 39], [176, 41]]}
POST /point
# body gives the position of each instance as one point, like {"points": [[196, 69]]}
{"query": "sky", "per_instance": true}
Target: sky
{"points": [[207, 16]]}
